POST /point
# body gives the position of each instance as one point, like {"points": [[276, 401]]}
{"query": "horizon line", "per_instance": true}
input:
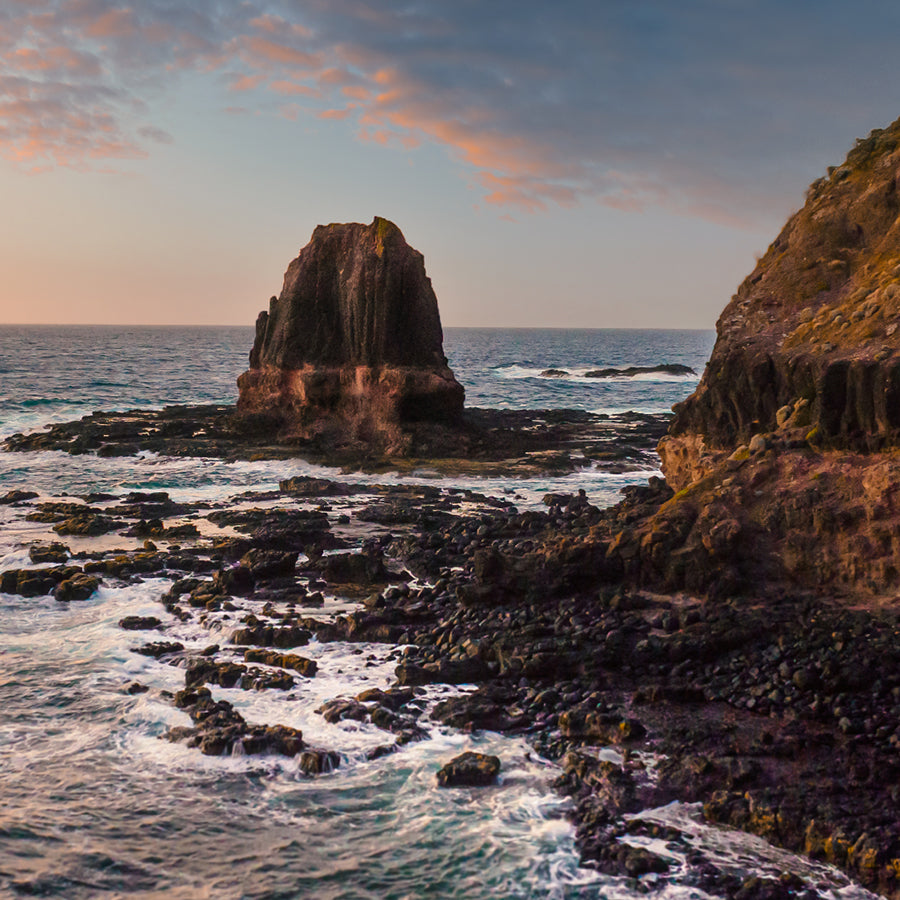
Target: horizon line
{"points": [[444, 327]]}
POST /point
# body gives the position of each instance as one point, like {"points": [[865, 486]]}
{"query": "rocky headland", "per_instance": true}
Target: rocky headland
{"points": [[789, 446]]}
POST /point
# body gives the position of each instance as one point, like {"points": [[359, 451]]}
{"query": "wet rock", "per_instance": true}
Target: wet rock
{"points": [[341, 708], [279, 529], [469, 770], [616, 858], [16, 496], [271, 636], [35, 582], [359, 569], [57, 511], [220, 729], [87, 524], [236, 580], [306, 667], [599, 728], [319, 762], [478, 712], [159, 649], [261, 680], [54, 552], [139, 623], [78, 587], [307, 486], [262, 563], [209, 671], [393, 699], [632, 371]]}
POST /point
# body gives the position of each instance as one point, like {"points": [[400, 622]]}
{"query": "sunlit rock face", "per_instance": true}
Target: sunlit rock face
{"points": [[785, 462], [810, 340], [352, 349]]}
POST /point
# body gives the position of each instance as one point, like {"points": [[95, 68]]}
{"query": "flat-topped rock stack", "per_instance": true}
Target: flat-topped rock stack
{"points": [[352, 348]]}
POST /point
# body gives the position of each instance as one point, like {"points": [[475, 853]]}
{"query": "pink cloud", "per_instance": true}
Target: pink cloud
{"points": [[262, 51], [54, 59], [338, 113], [520, 114], [356, 92], [276, 25], [285, 87], [245, 83], [116, 23]]}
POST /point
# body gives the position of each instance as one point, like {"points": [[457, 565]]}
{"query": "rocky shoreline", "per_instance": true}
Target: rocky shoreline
{"points": [[777, 712], [727, 637]]}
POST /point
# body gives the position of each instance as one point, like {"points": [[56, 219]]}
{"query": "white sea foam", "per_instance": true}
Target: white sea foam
{"points": [[737, 851]]}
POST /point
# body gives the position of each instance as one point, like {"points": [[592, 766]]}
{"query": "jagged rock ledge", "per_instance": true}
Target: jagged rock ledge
{"points": [[482, 442], [810, 343]]}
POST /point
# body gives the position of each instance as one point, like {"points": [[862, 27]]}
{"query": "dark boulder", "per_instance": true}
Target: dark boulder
{"points": [[469, 770], [54, 552], [139, 623], [17, 496], [78, 587]]}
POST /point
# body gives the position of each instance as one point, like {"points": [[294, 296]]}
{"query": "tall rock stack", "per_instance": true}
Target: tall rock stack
{"points": [[352, 349]]}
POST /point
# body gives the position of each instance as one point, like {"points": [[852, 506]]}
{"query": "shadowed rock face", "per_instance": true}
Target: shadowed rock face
{"points": [[353, 344], [815, 324]]}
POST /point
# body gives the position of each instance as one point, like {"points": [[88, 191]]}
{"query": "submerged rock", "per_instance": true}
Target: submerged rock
{"points": [[632, 371], [352, 349]]}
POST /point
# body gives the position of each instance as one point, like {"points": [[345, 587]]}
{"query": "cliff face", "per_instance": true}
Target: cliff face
{"points": [[353, 344], [785, 462], [810, 340]]}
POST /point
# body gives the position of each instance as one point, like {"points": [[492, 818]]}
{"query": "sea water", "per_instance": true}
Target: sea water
{"points": [[93, 803]]}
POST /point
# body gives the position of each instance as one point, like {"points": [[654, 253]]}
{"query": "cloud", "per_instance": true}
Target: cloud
{"points": [[344, 113], [152, 133], [707, 108]]}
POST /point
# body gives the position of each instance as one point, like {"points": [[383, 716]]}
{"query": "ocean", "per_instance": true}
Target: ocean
{"points": [[93, 803]]}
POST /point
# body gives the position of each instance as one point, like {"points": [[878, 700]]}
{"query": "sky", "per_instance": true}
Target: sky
{"points": [[606, 163]]}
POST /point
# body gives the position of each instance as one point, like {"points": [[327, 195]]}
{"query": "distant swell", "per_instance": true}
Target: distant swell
{"points": [[580, 374], [48, 401]]}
